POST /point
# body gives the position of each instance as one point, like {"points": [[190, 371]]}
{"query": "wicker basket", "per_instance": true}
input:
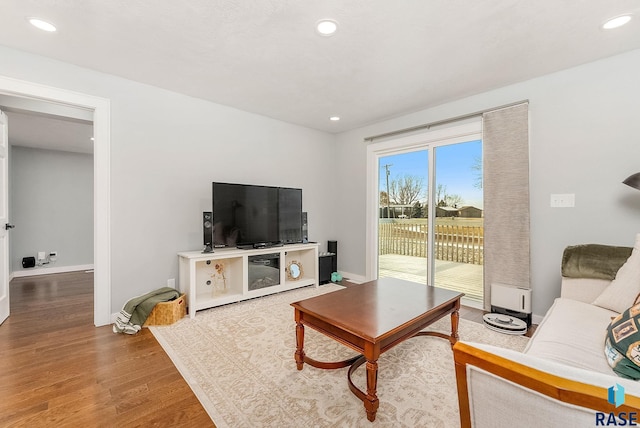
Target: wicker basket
{"points": [[166, 313]]}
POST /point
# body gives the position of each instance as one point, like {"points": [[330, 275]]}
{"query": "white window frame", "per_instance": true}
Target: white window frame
{"points": [[428, 140]]}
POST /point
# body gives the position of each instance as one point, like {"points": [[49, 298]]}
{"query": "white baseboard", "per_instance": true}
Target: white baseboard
{"points": [[352, 277], [39, 270], [537, 319]]}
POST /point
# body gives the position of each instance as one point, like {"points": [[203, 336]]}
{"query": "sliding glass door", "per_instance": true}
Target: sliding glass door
{"points": [[429, 213], [459, 223], [402, 219]]}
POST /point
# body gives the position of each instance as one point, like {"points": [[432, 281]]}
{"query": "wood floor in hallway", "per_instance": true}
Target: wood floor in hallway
{"points": [[58, 369]]}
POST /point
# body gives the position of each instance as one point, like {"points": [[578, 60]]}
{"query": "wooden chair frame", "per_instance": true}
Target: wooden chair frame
{"points": [[555, 387]]}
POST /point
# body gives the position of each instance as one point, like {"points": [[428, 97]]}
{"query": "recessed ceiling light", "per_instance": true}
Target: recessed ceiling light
{"points": [[616, 22], [334, 118], [43, 25], [326, 27]]}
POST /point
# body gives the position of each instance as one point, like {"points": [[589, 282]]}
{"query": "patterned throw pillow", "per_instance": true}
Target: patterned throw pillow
{"points": [[622, 345]]}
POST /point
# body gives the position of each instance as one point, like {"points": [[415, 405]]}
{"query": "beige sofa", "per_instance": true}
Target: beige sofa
{"points": [[562, 377]]}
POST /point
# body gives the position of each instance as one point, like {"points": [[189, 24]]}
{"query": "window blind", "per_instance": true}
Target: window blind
{"points": [[506, 198]]}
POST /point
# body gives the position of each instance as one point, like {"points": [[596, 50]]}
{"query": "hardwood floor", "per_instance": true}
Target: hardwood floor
{"points": [[57, 369]]}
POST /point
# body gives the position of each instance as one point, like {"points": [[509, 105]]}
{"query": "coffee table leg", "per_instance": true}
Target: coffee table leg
{"points": [[299, 354], [455, 319], [371, 401]]}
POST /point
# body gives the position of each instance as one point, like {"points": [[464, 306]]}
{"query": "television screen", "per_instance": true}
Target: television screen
{"points": [[244, 214], [290, 215]]}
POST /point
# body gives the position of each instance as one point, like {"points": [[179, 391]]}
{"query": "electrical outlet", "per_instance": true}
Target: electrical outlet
{"points": [[171, 282]]}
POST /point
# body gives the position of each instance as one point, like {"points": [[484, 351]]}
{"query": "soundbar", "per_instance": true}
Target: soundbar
{"points": [[258, 245]]}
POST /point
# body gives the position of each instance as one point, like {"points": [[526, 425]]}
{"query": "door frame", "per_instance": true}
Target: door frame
{"points": [[101, 108], [5, 295], [420, 141]]}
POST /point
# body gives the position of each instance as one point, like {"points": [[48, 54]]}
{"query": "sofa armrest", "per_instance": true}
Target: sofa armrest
{"points": [[589, 268], [492, 382], [583, 289]]}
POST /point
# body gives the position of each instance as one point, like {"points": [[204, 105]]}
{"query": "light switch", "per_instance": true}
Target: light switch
{"points": [[563, 200]]}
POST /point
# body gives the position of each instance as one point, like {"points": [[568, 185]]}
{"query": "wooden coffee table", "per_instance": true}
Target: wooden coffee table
{"points": [[372, 318]]}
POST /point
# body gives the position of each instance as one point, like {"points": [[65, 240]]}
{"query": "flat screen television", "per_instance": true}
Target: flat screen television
{"points": [[255, 216], [290, 215]]}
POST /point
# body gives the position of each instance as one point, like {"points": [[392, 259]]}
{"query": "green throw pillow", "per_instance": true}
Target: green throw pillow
{"points": [[622, 346]]}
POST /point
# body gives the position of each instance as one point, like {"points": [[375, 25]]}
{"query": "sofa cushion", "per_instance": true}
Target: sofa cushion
{"points": [[622, 291], [583, 289], [622, 346], [573, 333]]}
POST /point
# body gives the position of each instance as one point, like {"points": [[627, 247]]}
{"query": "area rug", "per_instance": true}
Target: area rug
{"points": [[238, 359]]}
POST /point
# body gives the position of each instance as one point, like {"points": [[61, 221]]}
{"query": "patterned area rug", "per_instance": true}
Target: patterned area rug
{"points": [[238, 359]]}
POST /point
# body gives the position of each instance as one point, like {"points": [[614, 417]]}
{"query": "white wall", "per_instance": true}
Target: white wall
{"points": [[166, 149], [585, 139], [51, 206]]}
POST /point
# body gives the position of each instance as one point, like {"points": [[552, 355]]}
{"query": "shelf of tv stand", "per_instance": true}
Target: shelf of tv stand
{"points": [[196, 268]]}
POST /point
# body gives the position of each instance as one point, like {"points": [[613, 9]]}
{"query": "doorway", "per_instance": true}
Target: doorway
{"points": [[100, 109], [50, 189], [425, 222]]}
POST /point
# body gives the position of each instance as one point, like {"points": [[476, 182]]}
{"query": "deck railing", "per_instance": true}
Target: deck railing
{"points": [[457, 243]]}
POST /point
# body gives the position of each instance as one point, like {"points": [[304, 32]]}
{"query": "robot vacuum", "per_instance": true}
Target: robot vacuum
{"points": [[504, 324]]}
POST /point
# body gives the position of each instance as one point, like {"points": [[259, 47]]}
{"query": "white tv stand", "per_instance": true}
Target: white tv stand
{"points": [[222, 277]]}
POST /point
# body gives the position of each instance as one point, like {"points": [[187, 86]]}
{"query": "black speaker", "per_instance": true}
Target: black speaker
{"points": [[332, 247], [305, 228], [325, 268], [28, 262], [207, 229]]}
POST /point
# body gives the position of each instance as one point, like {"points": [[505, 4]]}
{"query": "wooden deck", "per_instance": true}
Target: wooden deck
{"points": [[463, 277]]}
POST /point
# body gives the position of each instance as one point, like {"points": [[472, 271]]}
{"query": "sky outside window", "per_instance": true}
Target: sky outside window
{"points": [[455, 168]]}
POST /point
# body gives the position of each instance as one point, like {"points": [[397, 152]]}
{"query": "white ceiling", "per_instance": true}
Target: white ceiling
{"points": [[388, 57], [28, 129], [47, 125]]}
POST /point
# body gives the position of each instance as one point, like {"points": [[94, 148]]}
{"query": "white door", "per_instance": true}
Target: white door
{"points": [[4, 218]]}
